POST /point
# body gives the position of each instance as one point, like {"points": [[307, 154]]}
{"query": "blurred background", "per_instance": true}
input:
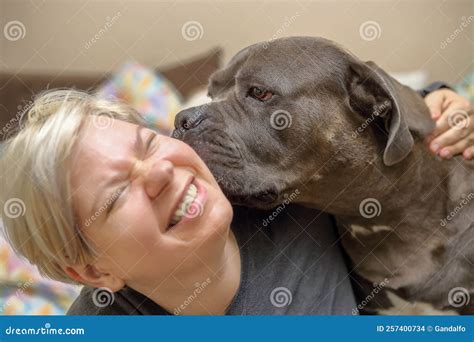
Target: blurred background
{"points": [[409, 35], [158, 55]]}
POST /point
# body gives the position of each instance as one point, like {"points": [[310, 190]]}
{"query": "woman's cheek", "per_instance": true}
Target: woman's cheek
{"points": [[136, 248], [141, 224]]}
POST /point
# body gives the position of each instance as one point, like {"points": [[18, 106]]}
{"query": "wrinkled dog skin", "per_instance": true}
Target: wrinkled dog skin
{"points": [[303, 114]]}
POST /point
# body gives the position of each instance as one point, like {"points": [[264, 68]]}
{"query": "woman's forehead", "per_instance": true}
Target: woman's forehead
{"points": [[101, 151], [100, 155]]}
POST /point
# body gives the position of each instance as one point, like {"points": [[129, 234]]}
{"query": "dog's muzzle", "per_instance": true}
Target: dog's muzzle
{"points": [[208, 137], [201, 128], [189, 118]]}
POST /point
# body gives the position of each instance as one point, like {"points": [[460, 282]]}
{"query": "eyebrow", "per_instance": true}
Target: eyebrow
{"points": [[140, 148]]}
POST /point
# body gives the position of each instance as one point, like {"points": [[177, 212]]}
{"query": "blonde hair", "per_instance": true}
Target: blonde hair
{"points": [[35, 193]]}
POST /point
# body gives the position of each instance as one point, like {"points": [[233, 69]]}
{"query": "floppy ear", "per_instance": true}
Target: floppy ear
{"points": [[372, 92], [224, 78]]}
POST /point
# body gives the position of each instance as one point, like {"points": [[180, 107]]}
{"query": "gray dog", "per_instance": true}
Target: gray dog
{"points": [[304, 114]]}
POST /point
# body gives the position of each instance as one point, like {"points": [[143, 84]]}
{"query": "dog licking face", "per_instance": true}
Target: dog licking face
{"points": [[285, 115], [303, 116]]}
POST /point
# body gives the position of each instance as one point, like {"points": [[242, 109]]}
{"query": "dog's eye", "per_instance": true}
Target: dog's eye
{"points": [[260, 94]]}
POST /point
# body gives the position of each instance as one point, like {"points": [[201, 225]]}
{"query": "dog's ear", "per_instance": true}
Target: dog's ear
{"points": [[225, 78], [372, 92]]}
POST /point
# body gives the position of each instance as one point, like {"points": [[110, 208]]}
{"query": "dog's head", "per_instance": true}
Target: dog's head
{"points": [[298, 110]]}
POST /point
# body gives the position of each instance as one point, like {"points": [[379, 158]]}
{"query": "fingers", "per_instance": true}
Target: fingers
{"points": [[435, 101], [454, 131], [468, 153], [451, 138], [455, 101], [457, 148], [450, 117]]}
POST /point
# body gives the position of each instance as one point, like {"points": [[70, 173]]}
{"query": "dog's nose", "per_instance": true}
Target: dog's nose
{"points": [[189, 118]]}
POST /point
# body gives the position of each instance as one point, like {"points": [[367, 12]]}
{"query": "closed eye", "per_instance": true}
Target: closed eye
{"points": [[115, 197], [117, 194], [149, 143]]}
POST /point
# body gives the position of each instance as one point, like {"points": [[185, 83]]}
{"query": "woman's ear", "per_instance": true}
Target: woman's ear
{"points": [[90, 275]]}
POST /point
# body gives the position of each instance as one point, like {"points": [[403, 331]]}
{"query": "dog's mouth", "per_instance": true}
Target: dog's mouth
{"points": [[241, 183], [214, 146], [264, 199], [243, 187]]}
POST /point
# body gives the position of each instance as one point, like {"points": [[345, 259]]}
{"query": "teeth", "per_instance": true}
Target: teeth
{"points": [[188, 198]]}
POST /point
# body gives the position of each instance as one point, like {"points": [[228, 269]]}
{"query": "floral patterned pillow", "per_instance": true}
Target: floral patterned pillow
{"points": [[23, 291], [151, 94]]}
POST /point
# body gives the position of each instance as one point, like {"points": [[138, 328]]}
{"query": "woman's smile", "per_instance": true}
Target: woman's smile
{"points": [[191, 204], [138, 213]]}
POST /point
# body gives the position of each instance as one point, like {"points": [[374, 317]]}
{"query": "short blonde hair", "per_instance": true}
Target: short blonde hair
{"points": [[35, 193]]}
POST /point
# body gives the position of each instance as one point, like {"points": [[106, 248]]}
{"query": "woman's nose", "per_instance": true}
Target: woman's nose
{"points": [[158, 176]]}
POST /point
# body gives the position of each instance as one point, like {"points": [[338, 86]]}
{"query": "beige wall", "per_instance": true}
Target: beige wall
{"points": [[412, 33]]}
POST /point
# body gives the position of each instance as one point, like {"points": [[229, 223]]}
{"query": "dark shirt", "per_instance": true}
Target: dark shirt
{"points": [[290, 265]]}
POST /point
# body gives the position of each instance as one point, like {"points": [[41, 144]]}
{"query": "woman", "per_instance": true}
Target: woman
{"points": [[117, 207]]}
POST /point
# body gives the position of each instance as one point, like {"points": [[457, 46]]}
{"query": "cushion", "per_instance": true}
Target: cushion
{"points": [[193, 75], [23, 291], [18, 89], [152, 95]]}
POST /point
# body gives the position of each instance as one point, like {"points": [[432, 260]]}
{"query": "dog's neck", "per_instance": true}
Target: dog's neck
{"points": [[419, 178]]}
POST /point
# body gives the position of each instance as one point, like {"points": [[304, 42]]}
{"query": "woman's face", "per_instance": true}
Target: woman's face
{"points": [[146, 202]]}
